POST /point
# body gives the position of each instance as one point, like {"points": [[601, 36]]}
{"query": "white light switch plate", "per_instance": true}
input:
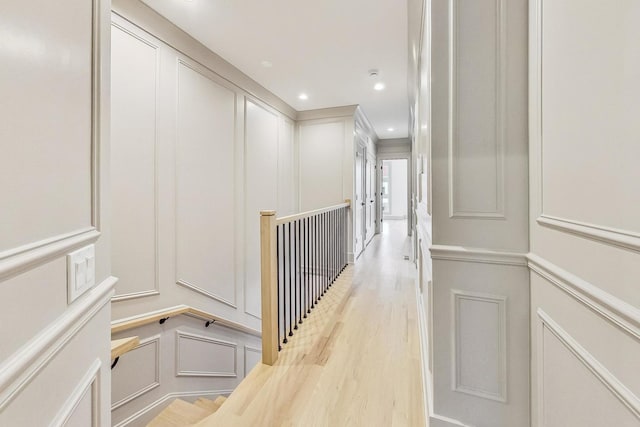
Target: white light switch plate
{"points": [[81, 272]]}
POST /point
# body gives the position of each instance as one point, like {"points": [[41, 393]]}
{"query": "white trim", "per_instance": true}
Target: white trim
{"points": [[169, 396], [27, 257], [155, 340], [212, 77], [427, 383], [500, 124], [22, 367], [611, 236], [612, 383], [123, 25], [201, 338], [620, 313], [477, 255], [90, 382], [248, 348], [456, 384], [206, 293]]}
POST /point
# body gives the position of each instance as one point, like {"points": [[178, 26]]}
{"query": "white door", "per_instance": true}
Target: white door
{"points": [[359, 204], [370, 198]]}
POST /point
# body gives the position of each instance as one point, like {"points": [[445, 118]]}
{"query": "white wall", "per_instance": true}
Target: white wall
{"points": [[54, 139], [195, 159], [584, 224], [470, 134]]}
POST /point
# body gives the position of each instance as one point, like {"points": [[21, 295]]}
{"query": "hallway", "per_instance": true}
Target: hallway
{"points": [[355, 361]]}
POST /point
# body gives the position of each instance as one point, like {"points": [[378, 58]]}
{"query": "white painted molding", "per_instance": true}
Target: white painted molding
{"points": [[206, 293], [423, 328], [185, 394], [181, 335], [620, 313], [248, 348], [128, 28], [152, 22], [477, 255], [613, 384], [155, 341], [611, 236], [326, 113], [20, 368], [456, 384], [90, 383], [219, 82], [500, 125], [27, 257]]}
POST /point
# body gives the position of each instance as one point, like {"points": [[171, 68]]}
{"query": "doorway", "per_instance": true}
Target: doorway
{"points": [[394, 187]]}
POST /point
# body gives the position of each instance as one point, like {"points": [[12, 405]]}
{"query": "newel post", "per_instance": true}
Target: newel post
{"points": [[269, 287]]}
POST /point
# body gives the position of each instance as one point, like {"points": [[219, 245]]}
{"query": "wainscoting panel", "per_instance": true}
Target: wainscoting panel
{"points": [[571, 126], [83, 407], [138, 374], [321, 168], [134, 102], [202, 356], [480, 353], [252, 356], [205, 232], [261, 191], [47, 168], [565, 372], [477, 114]]}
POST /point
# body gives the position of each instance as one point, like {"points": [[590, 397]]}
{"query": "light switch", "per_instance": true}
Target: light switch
{"points": [[81, 274]]}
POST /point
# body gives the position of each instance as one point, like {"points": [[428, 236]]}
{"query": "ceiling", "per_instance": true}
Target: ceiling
{"points": [[323, 48]]}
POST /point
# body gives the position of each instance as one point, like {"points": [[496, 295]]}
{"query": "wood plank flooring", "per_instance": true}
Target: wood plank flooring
{"points": [[356, 359]]}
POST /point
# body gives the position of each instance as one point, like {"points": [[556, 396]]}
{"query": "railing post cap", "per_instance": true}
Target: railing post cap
{"points": [[267, 213]]}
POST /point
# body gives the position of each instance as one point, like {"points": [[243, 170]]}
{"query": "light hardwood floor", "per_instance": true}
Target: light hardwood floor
{"points": [[354, 362]]}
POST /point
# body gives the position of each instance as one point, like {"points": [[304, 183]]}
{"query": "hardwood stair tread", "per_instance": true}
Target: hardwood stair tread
{"points": [[179, 413], [207, 404]]}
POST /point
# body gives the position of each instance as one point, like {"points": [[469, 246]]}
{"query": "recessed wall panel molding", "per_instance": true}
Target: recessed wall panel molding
{"points": [[568, 124], [252, 356], [82, 409], [477, 73], [480, 345], [134, 99], [202, 356], [573, 388], [205, 184], [261, 145], [52, 193], [137, 372]]}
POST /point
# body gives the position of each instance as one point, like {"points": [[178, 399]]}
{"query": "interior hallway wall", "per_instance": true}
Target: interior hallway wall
{"points": [[584, 213], [198, 151], [54, 170]]}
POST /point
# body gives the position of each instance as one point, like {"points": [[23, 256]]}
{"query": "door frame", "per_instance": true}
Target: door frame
{"points": [[395, 156]]}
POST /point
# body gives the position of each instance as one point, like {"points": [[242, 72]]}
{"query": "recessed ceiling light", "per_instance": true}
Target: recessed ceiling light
{"points": [[303, 96], [379, 86], [266, 64], [390, 129]]}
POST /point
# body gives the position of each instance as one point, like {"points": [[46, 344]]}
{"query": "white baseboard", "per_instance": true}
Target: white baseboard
{"points": [[155, 407], [440, 421]]}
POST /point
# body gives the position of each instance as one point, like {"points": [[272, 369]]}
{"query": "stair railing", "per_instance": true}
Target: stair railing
{"points": [[301, 257]]}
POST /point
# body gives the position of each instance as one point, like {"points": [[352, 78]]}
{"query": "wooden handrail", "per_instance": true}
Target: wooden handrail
{"points": [[155, 316], [289, 218], [122, 346]]}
